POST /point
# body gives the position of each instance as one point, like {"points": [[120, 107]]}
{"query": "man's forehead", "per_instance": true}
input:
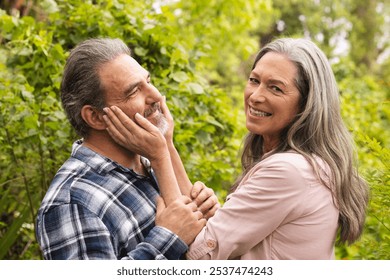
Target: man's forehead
{"points": [[123, 64]]}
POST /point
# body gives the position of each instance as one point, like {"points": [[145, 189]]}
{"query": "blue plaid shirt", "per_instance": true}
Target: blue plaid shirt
{"points": [[98, 209]]}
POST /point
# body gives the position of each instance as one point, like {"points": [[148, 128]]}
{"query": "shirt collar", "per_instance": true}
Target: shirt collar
{"points": [[99, 162]]}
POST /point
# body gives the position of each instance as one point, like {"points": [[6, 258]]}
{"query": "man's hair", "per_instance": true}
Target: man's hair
{"points": [[81, 83]]}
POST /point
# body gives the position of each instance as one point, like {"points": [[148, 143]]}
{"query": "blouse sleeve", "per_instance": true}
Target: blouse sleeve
{"points": [[267, 197]]}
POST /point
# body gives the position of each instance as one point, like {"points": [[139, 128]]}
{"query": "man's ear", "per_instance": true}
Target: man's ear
{"points": [[93, 117]]}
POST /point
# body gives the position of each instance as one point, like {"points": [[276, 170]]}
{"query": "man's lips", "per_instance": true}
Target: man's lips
{"points": [[152, 112]]}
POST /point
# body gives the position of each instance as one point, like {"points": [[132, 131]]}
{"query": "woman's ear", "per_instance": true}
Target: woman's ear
{"points": [[93, 117]]}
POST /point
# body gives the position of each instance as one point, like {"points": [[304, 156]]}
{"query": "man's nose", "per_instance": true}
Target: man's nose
{"points": [[153, 94]]}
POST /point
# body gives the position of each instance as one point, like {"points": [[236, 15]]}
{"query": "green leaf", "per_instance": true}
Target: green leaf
{"points": [[213, 121], [10, 236], [140, 51], [195, 88], [179, 76]]}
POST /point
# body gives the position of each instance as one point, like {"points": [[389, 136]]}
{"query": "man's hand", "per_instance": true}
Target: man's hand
{"points": [[181, 217], [205, 199]]}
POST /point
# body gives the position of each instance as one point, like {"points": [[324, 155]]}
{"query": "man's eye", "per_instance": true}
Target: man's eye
{"points": [[133, 93], [253, 80]]}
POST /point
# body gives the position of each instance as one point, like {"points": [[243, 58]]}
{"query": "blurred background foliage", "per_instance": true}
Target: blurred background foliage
{"points": [[199, 53]]}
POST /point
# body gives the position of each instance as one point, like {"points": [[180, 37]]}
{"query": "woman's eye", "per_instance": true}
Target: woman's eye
{"points": [[275, 88], [253, 80]]}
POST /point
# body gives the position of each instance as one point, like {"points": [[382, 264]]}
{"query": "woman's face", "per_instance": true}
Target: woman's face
{"points": [[271, 98]]}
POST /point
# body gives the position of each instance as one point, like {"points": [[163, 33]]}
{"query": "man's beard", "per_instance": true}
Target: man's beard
{"points": [[159, 121], [162, 123]]}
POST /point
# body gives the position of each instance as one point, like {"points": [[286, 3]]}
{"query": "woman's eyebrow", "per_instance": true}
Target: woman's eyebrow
{"points": [[276, 81]]}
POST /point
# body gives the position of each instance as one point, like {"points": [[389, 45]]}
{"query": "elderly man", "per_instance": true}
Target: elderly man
{"points": [[104, 202]]}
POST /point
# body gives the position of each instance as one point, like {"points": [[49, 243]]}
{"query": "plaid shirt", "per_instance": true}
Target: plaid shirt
{"points": [[98, 209]]}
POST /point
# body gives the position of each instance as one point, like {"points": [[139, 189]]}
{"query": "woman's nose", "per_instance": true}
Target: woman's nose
{"points": [[258, 95]]}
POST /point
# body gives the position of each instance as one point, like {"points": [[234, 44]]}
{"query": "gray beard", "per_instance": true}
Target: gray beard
{"points": [[162, 124], [160, 121]]}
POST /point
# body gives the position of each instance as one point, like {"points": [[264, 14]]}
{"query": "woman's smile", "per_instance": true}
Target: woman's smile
{"points": [[258, 113]]}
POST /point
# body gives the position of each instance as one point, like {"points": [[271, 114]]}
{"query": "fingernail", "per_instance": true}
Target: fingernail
{"points": [[105, 109]]}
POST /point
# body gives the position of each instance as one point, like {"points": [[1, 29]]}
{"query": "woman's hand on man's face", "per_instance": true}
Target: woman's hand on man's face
{"points": [[139, 136]]}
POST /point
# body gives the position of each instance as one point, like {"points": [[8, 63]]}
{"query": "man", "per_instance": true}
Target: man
{"points": [[102, 202]]}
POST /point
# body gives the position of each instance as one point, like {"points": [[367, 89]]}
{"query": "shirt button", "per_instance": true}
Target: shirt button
{"points": [[210, 243]]}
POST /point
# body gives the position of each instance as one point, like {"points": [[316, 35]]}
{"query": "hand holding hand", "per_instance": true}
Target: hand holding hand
{"points": [[181, 217], [205, 199]]}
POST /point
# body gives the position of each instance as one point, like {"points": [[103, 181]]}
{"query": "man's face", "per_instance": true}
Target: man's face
{"points": [[127, 85]]}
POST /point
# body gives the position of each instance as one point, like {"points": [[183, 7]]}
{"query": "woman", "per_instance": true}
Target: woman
{"points": [[299, 187]]}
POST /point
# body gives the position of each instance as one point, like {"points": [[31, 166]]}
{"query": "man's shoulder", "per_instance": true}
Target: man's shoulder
{"points": [[87, 183], [60, 187], [89, 179]]}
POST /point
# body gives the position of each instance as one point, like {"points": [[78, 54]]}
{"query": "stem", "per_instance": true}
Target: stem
{"points": [[381, 222], [16, 162], [41, 153]]}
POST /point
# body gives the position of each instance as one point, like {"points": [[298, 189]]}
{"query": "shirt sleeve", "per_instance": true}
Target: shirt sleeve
{"points": [[160, 244], [266, 198], [71, 231]]}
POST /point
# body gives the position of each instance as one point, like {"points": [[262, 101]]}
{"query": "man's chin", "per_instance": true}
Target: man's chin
{"points": [[161, 123], [163, 126]]}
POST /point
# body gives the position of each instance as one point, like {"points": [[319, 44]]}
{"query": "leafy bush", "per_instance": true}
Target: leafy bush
{"points": [[365, 104], [199, 60]]}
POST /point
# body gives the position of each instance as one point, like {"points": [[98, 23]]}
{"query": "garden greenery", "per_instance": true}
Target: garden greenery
{"points": [[199, 54]]}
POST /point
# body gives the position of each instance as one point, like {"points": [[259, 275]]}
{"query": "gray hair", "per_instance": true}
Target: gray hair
{"points": [[318, 130], [81, 84]]}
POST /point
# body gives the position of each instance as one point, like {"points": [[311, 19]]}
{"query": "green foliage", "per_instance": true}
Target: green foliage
{"points": [[220, 22], [36, 137], [199, 54], [354, 28], [366, 109]]}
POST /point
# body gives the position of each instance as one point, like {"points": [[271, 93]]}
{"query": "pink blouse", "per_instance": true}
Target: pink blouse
{"points": [[279, 211]]}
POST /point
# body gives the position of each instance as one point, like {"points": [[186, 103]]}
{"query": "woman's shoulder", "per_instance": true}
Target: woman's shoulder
{"points": [[294, 158], [288, 158], [295, 164]]}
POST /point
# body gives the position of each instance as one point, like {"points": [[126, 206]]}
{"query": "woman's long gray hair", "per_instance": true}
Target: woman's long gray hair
{"points": [[318, 130]]}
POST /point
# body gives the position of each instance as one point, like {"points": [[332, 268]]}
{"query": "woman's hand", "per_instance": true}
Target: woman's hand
{"points": [[205, 198], [167, 114], [142, 137]]}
